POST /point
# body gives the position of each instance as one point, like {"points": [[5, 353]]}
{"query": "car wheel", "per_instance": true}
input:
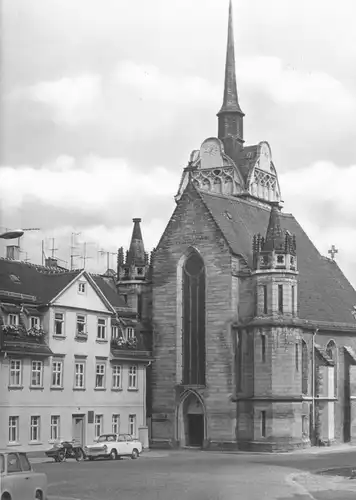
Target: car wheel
{"points": [[113, 454], [61, 456], [39, 495], [79, 456], [6, 496], [91, 459], [134, 454]]}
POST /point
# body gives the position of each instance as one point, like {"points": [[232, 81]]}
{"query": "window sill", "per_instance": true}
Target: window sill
{"points": [[14, 444], [35, 443], [102, 341], [15, 387], [81, 338], [36, 387], [133, 389], [59, 337], [79, 388], [55, 388], [116, 389], [99, 388]]}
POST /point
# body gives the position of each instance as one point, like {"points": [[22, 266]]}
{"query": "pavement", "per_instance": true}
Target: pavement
{"points": [[196, 474]]}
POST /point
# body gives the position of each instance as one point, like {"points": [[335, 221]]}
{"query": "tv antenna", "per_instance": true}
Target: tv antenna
{"points": [[104, 252], [73, 248]]}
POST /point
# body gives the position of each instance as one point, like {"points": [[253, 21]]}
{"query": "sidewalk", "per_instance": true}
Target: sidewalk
{"points": [[38, 457], [317, 484]]}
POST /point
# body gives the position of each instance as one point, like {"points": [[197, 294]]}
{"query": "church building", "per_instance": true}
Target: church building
{"points": [[254, 331]]}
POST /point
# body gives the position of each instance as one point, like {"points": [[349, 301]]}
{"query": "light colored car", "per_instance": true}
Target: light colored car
{"points": [[18, 481], [114, 446]]}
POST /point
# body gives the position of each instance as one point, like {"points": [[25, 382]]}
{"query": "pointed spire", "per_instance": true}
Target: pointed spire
{"points": [[136, 253], [231, 100], [274, 237]]}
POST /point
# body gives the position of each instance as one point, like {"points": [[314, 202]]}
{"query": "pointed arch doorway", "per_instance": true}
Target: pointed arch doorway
{"points": [[191, 423]]}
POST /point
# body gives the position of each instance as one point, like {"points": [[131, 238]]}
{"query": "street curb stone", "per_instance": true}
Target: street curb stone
{"points": [[315, 482]]}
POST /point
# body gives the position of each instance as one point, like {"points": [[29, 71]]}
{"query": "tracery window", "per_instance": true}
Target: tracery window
{"points": [[305, 367], [331, 351], [194, 320]]}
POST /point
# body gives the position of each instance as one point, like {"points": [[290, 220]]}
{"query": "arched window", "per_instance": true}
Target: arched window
{"points": [[194, 320], [331, 351], [305, 367]]}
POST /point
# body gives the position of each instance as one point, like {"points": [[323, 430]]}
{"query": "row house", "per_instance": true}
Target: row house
{"points": [[72, 365]]}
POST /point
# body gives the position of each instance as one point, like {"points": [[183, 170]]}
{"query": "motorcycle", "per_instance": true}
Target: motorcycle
{"points": [[66, 449]]}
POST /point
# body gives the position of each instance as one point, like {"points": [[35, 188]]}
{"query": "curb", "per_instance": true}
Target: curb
{"points": [[300, 489]]}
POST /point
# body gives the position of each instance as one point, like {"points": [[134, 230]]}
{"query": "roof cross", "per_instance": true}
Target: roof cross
{"points": [[333, 251]]}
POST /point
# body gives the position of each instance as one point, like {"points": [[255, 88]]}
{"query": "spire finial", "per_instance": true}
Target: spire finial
{"points": [[230, 115], [274, 235], [231, 101]]}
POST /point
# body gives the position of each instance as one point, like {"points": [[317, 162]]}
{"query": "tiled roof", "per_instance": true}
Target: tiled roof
{"points": [[324, 292], [40, 281], [45, 283]]}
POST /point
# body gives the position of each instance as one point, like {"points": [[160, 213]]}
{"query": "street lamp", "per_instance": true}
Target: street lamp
{"points": [[12, 234]]}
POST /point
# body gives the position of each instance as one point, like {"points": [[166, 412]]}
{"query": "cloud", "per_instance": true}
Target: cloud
{"points": [[322, 198], [288, 85]]}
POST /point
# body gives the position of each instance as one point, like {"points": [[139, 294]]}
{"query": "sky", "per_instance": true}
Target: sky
{"points": [[103, 102]]}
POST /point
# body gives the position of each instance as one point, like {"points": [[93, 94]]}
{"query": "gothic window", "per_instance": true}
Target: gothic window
{"points": [[263, 347], [280, 299], [194, 320], [331, 351], [305, 367]]}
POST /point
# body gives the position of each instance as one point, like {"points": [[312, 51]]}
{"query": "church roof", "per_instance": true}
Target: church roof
{"points": [[324, 292]]}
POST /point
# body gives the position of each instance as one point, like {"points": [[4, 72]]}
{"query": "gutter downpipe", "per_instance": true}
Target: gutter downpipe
{"points": [[313, 385]]}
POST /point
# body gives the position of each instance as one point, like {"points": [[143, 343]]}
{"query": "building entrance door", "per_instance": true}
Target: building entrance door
{"points": [[78, 429], [195, 430]]}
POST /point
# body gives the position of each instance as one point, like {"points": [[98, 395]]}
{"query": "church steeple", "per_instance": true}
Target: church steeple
{"points": [[136, 253], [230, 116]]}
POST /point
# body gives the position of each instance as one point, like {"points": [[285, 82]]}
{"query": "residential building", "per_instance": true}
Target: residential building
{"points": [[67, 368], [254, 331]]}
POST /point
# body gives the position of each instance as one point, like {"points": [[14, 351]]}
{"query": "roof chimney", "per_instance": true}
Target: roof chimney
{"points": [[51, 262], [13, 252]]}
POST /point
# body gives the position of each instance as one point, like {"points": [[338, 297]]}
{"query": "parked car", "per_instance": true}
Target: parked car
{"points": [[18, 481], [114, 446]]}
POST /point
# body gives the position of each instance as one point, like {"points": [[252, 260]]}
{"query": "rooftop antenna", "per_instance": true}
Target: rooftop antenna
{"points": [[73, 248], [104, 252], [53, 249], [85, 257]]}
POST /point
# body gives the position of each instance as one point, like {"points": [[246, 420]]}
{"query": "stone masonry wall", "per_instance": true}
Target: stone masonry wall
{"points": [[192, 225]]}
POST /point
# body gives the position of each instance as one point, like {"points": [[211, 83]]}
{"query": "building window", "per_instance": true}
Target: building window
{"points": [[37, 374], [34, 322], [305, 367], [57, 373], [59, 324], [81, 287], [263, 424], [193, 319], [98, 425], [263, 347], [116, 424], [293, 299], [305, 426], [13, 319], [125, 298], [331, 351], [264, 292], [101, 329], [280, 299], [130, 333], [35, 428], [100, 376], [132, 425], [133, 377], [297, 357], [55, 427], [13, 429], [116, 377], [81, 323], [114, 332], [79, 375], [15, 373]]}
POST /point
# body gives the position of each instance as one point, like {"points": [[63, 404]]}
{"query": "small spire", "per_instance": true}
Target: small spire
{"points": [[231, 101], [274, 237], [136, 253]]}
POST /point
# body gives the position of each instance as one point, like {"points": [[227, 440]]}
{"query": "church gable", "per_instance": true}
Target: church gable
{"points": [[262, 180], [210, 169]]}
